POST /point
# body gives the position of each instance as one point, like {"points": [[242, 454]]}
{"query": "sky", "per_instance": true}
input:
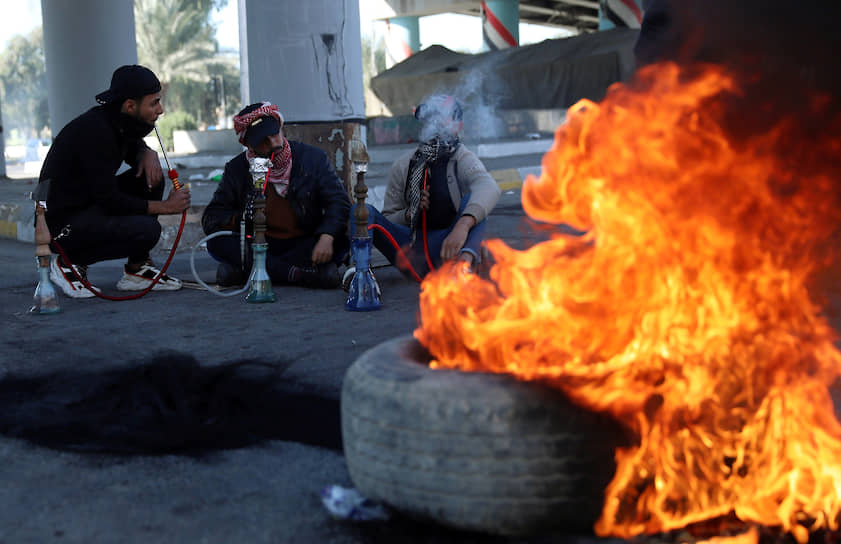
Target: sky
{"points": [[457, 32], [19, 17]]}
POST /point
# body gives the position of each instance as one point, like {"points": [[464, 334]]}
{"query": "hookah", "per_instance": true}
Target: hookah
{"points": [[364, 291], [45, 299], [259, 283]]}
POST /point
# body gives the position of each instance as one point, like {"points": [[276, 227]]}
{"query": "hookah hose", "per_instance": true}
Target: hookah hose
{"points": [[403, 258], [196, 274], [156, 279]]}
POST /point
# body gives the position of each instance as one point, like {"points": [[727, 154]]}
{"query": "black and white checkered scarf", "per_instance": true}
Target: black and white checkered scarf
{"points": [[428, 153]]}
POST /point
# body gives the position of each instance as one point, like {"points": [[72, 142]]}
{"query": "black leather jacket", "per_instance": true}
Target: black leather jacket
{"points": [[317, 195]]}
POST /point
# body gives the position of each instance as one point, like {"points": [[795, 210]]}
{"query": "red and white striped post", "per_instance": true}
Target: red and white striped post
{"points": [[402, 39], [500, 24], [620, 13]]}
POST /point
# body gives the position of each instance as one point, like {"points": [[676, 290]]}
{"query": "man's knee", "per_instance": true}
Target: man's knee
{"points": [[147, 229]]}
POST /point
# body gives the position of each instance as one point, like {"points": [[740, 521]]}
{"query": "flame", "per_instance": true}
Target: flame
{"points": [[685, 309]]}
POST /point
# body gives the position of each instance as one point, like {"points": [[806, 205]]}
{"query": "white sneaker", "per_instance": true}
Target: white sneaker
{"points": [[64, 277], [140, 280]]}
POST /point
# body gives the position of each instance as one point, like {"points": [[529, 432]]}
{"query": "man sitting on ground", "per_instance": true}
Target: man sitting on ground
{"points": [[442, 180], [306, 207]]}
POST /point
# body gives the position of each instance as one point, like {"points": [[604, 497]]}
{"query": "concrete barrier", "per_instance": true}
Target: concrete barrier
{"points": [[200, 141]]}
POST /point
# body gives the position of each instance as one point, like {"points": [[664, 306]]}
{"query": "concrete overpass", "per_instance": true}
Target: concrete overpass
{"points": [[307, 60], [575, 15]]}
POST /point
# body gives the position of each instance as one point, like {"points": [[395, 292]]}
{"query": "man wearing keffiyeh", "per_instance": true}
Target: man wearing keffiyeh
{"points": [[443, 181], [306, 206]]}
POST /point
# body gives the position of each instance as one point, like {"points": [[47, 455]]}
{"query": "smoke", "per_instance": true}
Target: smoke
{"points": [[784, 44], [480, 91]]}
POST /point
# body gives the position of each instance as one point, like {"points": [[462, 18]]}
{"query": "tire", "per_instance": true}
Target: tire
{"points": [[473, 451]]}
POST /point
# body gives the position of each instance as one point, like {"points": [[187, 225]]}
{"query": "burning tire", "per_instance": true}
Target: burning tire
{"points": [[474, 451]]}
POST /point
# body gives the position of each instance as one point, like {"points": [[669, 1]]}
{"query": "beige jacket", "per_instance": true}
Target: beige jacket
{"points": [[465, 173]]}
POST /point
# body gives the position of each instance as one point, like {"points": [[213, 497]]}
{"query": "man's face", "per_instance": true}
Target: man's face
{"points": [[147, 110], [264, 148], [437, 124]]}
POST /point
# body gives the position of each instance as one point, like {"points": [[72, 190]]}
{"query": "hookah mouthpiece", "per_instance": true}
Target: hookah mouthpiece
{"points": [[173, 176]]}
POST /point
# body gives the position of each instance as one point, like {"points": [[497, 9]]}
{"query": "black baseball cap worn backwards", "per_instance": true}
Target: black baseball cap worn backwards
{"points": [[130, 81]]}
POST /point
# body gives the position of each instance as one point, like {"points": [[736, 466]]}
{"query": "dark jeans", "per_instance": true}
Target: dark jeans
{"points": [[435, 239], [281, 255], [96, 236]]}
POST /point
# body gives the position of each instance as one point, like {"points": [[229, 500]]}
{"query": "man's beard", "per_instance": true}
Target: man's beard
{"points": [[135, 126]]}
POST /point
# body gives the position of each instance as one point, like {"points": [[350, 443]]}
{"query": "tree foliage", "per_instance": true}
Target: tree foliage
{"points": [[176, 40], [23, 81]]}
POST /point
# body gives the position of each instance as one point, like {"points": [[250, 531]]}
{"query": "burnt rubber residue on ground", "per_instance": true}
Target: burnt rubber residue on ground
{"points": [[164, 405]]}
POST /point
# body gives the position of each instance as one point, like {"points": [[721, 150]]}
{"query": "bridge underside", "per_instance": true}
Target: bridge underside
{"points": [[579, 16]]}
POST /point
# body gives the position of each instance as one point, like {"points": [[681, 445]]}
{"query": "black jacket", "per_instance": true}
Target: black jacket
{"points": [[83, 160], [317, 195]]}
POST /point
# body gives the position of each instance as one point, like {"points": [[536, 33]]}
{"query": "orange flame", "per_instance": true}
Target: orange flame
{"points": [[684, 309]]}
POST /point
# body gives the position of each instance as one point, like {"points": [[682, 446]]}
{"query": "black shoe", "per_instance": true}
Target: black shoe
{"points": [[323, 276], [228, 275]]}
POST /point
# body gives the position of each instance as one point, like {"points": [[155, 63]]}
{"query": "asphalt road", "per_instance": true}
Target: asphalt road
{"points": [[60, 488]]}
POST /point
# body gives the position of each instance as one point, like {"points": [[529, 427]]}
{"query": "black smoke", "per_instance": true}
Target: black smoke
{"points": [[786, 43]]}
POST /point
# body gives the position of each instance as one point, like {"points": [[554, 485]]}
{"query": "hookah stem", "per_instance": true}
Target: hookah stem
{"points": [[171, 172], [242, 243], [242, 223]]}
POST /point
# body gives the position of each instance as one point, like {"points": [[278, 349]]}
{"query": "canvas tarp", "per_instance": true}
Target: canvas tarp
{"points": [[553, 74]]}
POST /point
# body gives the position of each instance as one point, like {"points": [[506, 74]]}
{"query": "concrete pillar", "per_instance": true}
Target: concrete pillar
{"points": [[2, 145], [306, 57], [84, 41], [620, 13], [500, 24], [402, 39]]}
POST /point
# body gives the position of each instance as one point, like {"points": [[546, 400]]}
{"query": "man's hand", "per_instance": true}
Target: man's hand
{"points": [[150, 165], [455, 240], [424, 199], [424, 204], [176, 202], [323, 250]]}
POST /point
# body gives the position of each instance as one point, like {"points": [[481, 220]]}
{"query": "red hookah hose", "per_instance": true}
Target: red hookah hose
{"points": [[423, 227], [173, 175], [268, 171], [403, 258]]}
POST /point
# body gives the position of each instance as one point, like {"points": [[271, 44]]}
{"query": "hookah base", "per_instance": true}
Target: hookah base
{"points": [[44, 311], [256, 297]]}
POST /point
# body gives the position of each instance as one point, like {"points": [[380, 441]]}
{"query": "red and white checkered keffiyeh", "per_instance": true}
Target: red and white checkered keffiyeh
{"points": [[242, 122], [280, 169], [281, 165]]}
